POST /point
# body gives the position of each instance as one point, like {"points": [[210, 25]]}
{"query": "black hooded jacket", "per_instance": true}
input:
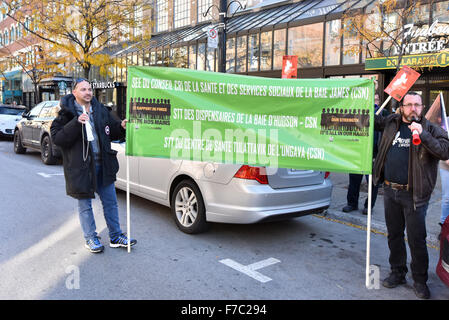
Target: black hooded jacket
{"points": [[423, 158], [67, 133]]}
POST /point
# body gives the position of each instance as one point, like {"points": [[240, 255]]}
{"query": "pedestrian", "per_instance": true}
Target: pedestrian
{"points": [[90, 165], [355, 180], [409, 173]]}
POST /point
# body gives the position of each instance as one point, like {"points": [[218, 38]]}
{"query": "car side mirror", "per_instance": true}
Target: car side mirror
{"points": [[25, 115]]}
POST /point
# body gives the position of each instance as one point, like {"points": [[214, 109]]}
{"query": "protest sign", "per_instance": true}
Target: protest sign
{"points": [[318, 124]]}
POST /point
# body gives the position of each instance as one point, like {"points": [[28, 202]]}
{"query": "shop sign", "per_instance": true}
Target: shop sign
{"points": [[416, 53], [440, 59], [103, 84]]}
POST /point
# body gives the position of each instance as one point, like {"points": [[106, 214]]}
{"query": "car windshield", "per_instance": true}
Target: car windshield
{"points": [[10, 111]]}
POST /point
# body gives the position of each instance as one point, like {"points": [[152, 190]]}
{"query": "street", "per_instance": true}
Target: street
{"points": [[43, 256]]}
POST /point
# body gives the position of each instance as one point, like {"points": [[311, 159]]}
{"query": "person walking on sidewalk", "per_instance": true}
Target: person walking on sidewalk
{"points": [[83, 130], [355, 180], [409, 173]]}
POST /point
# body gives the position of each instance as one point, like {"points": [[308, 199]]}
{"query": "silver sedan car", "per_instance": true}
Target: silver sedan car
{"points": [[202, 192]]}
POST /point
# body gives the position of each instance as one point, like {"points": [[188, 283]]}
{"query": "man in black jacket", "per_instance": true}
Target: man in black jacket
{"points": [[409, 173], [84, 130]]}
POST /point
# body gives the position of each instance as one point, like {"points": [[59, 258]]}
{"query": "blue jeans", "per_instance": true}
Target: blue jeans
{"points": [[400, 215], [444, 175], [108, 199]]}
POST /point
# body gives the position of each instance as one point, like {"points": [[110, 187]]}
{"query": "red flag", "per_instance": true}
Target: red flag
{"points": [[402, 82], [289, 67]]}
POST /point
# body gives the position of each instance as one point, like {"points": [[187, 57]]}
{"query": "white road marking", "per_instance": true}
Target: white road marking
{"points": [[49, 175], [250, 270]]}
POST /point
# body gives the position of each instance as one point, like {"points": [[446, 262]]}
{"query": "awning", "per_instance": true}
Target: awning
{"points": [[16, 74], [253, 19]]}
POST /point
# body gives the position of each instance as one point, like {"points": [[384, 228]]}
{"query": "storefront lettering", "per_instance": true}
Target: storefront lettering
{"points": [[437, 33], [435, 29], [103, 85]]}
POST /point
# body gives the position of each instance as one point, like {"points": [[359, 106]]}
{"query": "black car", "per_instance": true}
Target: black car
{"points": [[33, 131]]}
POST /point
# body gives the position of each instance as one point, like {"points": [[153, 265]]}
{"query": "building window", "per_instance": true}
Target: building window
{"points": [[253, 52], [230, 55], [181, 13], [161, 15], [333, 44], [210, 64], [419, 15], [266, 41], [306, 42], [192, 57], [351, 45], [203, 5], [280, 37], [241, 54], [440, 11], [201, 61]]}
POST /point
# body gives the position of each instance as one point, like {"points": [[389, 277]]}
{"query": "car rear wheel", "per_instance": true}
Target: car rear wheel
{"points": [[187, 207], [47, 151], [18, 148]]}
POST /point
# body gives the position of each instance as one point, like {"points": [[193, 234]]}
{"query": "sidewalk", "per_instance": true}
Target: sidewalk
{"points": [[340, 189]]}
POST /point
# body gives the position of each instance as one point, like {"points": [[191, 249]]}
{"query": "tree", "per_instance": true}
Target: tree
{"points": [[35, 60], [82, 29]]}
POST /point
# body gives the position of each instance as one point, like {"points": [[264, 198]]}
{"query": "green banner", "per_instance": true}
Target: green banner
{"points": [[318, 124]]}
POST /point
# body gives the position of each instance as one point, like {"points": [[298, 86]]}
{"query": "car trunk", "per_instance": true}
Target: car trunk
{"points": [[291, 178]]}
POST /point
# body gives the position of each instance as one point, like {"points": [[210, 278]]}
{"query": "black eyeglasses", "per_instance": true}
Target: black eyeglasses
{"points": [[77, 81]]}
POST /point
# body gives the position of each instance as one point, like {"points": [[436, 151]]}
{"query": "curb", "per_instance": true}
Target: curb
{"points": [[376, 227]]}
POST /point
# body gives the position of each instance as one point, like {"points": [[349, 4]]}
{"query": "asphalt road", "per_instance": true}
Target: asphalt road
{"points": [[42, 254]]}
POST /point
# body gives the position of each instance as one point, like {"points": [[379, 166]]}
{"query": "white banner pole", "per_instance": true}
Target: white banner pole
{"points": [[128, 218], [368, 231], [383, 105]]}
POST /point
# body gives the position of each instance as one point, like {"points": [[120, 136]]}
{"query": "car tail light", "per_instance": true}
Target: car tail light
{"points": [[252, 173], [326, 175]]}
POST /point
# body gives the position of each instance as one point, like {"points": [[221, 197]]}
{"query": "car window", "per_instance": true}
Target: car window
{"points": [[37, 109], [45, 113], [11, 111]]}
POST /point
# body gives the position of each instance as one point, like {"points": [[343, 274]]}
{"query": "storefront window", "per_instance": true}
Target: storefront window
{"points": [[210, 62], [392, 26], [265, 50], [152, 58], [333, 43], [159, 57], [279, 47], [180, 57], [440, 11], [306, 42], [146, 58], [253, 52], [201, 62], [230, 55], [351, 45], [372, 49], [192, 57], [241, 54]]}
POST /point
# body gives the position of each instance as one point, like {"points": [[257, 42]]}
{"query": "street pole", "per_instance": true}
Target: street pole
{"points": [[222, 42]]}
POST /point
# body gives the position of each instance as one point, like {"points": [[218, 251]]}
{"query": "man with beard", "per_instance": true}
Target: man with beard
{"points": [[409, 173]]}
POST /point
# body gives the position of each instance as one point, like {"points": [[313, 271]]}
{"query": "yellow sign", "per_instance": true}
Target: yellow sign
{"points": [[440, 59]]}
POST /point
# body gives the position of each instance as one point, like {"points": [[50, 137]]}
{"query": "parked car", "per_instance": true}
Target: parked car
{"points": [[202, 192], [33, 131], [9, 116]]}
